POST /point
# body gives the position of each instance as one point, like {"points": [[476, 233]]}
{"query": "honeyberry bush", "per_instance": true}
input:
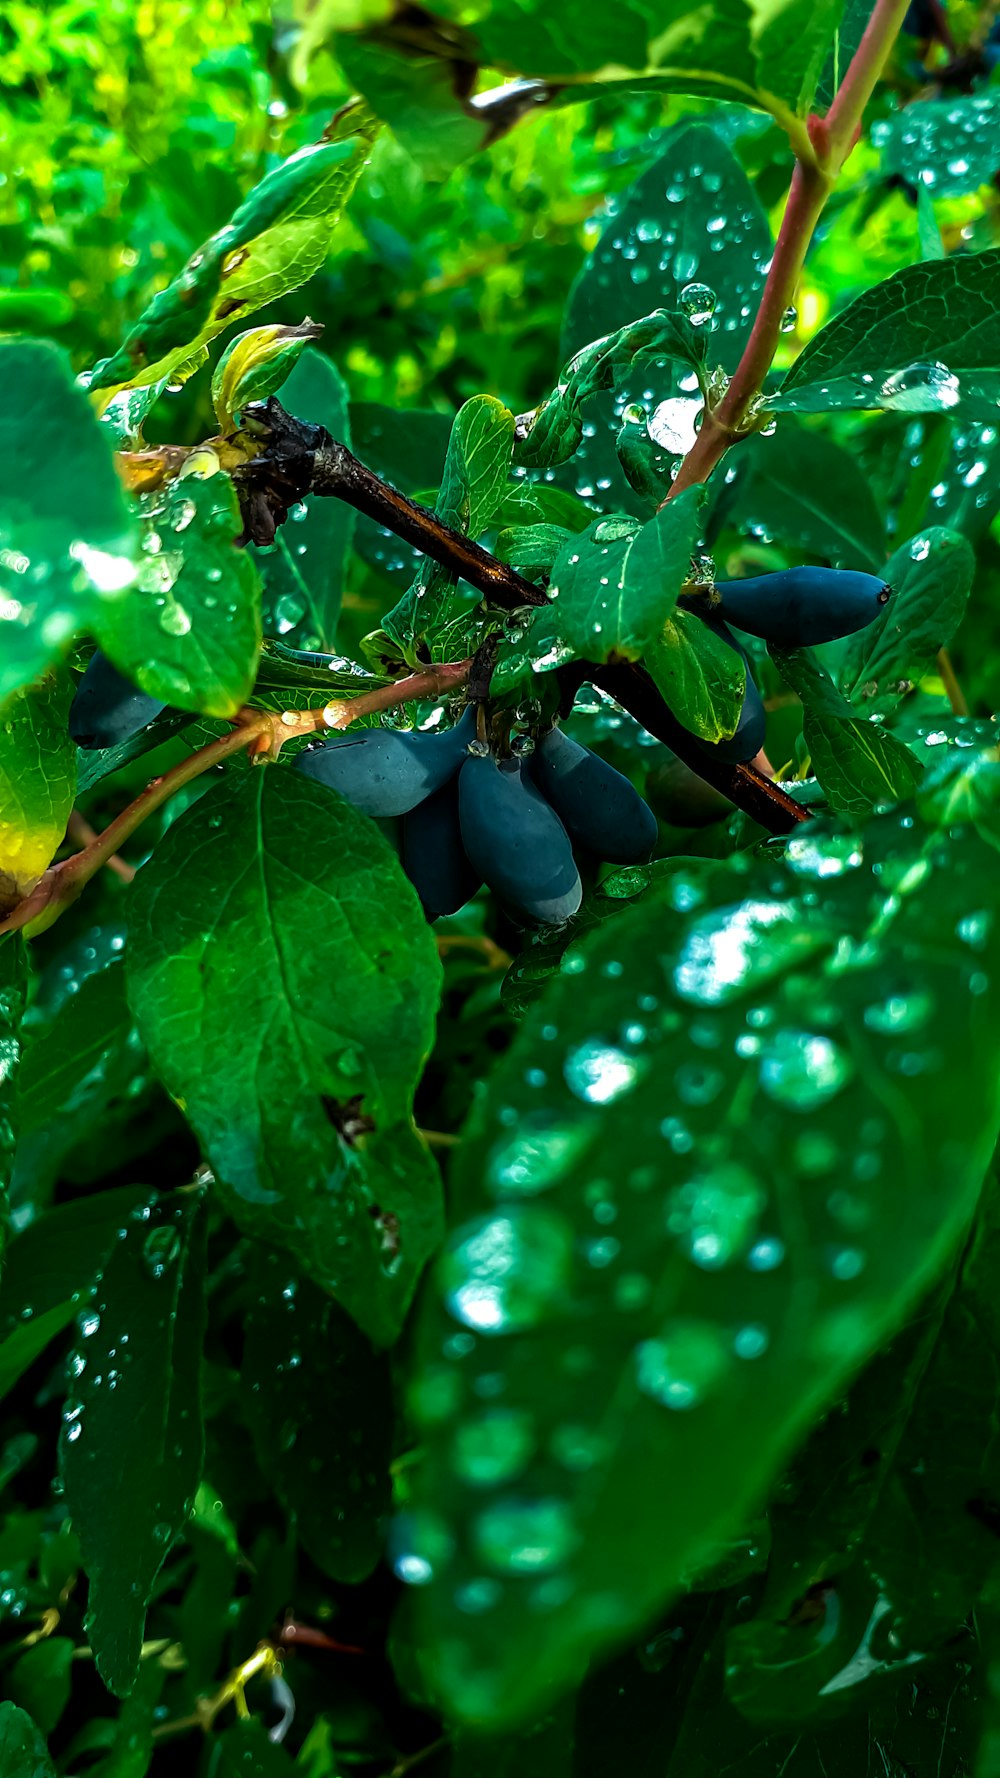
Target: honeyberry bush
{"points": [[499, 811]]}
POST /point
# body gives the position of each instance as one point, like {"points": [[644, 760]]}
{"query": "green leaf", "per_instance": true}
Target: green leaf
{"points": [[277, 238], [244, 1751], [858, 763], [931, 578], [615, 586], [82, 1057], [304, 574], [40, 1683], [415, 94], [707, 1069], [131, 1444], [67, 535], [553, 432], [286, 989], [23, 1753], [318, 1401], [659, 242], [37, 782], [922, 341], [473, 481], [792, 48], [804, 488], [945, 147], [13, 992], [407, 448], [699, 676], [532, 549], [254, 365], [189, 631]]}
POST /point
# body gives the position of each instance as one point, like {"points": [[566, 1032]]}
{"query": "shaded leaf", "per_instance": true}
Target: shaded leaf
{"points": [[40, 1683], [136, 1391], [700, 1321], [803, 487], [23, 1753], [615, 587], [475, 474], [318, 1401], [931, 578], [244, 1751], [282, 995], [67, 535], [415, 95]]}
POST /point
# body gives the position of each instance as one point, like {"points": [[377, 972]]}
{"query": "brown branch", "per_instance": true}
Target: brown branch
{"points": [[298, 459]]}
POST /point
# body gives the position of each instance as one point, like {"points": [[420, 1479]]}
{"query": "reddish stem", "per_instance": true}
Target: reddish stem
{"points": [[63, 882], [831, 139]]}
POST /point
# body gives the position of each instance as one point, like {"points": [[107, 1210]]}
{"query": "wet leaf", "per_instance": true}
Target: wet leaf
{"points": [[615, 587], [190, 630], [37, 782], [135, 1389], [945, 147], [13, 992], [282, 996], [804, 488], [304, 574], [244, 1751], [319, 1404], [415, 94], [662, 240], [67, 535], [642, 1208], [925, 340], [931, 578]]}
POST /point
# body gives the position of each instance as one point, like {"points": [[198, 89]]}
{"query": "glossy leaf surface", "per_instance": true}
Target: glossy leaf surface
{"points": [[304, 1104], [694, 1296]]}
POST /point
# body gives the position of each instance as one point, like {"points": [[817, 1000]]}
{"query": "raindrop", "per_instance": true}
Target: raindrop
{"points": [[920, 388], [508, 1272], [698, 302], [803, 1069], [600, 1073], [688, 1361], [789, 320], [525, 1536]]}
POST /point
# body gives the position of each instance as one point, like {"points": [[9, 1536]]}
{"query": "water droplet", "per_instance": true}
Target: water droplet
{"points": [[174, 620], [525, 1536], [803, 1069], [920, 388], [504, 1273], [688, 1361], [789, 320], [698, 302], [673, 423], [494, 1447], [601, 1072], [532, 1161]]}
